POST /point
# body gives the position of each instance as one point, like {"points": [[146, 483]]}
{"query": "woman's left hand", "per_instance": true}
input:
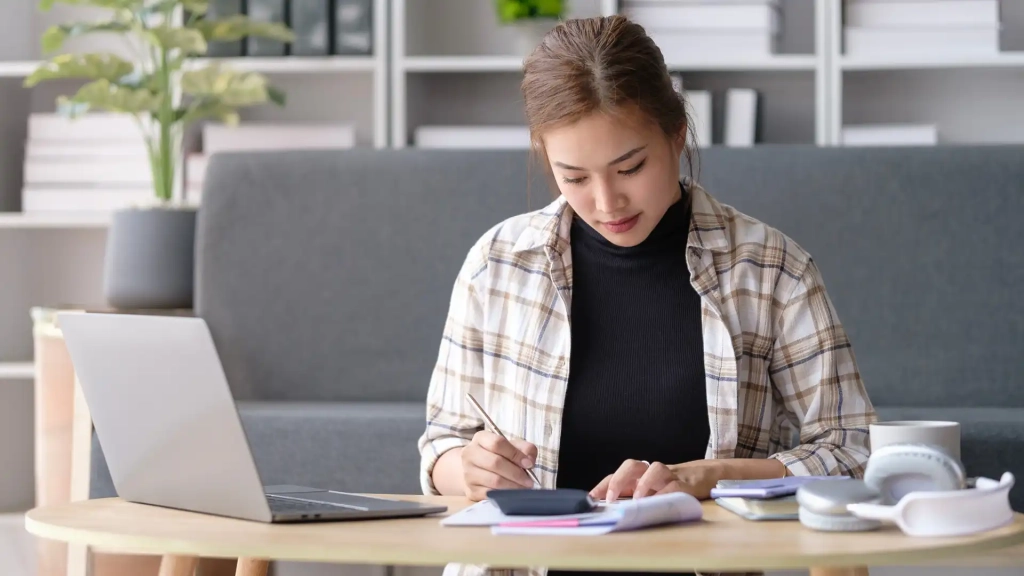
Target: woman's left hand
{"points": [[639, 479]]}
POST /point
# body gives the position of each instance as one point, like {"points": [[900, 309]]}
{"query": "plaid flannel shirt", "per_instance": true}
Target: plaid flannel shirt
{"points": [[781, 378]]}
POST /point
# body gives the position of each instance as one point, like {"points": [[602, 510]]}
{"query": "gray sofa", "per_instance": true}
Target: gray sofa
{"points": [[325, 278]]}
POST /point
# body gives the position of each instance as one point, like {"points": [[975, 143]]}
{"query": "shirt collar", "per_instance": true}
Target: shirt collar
{"points": [[550, 226]]}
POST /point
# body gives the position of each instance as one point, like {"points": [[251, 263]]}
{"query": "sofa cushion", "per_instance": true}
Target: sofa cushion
{"points": [[357, 447], [919, 248], [991, 439], [326, 275]]}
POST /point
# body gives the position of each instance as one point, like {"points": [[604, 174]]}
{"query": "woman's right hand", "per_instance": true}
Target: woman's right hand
{"points": [[490, 462]]}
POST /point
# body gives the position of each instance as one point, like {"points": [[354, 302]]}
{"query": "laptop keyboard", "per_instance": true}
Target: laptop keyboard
{"points": [[279, 504]]}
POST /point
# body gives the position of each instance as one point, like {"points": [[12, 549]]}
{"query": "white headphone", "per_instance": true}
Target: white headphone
{"points": [[903, 477]]}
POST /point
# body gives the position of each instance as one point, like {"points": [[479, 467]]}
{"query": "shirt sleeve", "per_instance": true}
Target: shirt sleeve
{"points": [[814, 369], [459, 369]]}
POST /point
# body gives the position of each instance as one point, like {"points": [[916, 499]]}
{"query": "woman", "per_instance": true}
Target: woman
{"points": [[634, 337]]}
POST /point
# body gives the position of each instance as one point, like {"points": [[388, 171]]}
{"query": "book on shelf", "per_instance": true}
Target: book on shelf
{"points": [[266, 11], [257, 136], [923, 42], [916, 13], [90, 127], [704, 17], [353, 27], [719, 30], [311, 22], [890, 135], [711, 46], [321, 27], [700, 104], [78, 199], [219, 9], [464, 137], [924, 28], [743, 113]]}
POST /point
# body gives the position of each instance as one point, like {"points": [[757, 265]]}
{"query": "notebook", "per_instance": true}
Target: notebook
{"points": [[770, 488], [781, 508], [659, 510]]}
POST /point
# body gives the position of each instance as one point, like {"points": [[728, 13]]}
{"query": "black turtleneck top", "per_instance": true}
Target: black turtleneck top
{"points": [[636, 371]]}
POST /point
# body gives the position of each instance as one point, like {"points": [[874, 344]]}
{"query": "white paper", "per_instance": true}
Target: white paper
{"points": [[658, 510]]}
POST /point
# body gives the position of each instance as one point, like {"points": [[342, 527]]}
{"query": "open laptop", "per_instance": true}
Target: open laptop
{"points": [[170, 430]]}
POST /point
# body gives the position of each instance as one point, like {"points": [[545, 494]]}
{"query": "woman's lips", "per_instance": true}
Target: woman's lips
{"points": [[622, 225]]}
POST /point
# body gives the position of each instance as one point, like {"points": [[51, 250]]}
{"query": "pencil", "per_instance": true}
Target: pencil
{"points": [[494, 429]]}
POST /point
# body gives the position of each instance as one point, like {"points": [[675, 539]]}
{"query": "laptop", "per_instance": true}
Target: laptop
{"points": [[170, 431]]}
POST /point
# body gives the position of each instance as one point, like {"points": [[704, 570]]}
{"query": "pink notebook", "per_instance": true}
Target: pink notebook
{"points": [[621, 516]]}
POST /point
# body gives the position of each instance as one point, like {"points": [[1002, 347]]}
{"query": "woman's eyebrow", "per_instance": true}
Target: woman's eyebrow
{"points": [[622, 158]]}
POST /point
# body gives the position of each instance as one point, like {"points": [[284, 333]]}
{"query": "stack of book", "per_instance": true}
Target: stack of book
{"points": [[261, 136], [687, 30], [95, 163], [890, 135], [885, 28], [466, 137]]}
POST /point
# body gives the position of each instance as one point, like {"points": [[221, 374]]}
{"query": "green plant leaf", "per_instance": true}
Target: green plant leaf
{"points": [[93, 66], [207, 108], [129, 4], [236, 27], [193, 6], [55, 36], [276, 95], [230, 87], [104, 95], [187, 40]]}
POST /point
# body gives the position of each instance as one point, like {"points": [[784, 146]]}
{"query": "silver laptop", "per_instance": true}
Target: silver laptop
{"points": [[170, 431]]}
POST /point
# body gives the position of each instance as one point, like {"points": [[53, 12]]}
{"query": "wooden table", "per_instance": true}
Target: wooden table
{"points": [[722, 542]]}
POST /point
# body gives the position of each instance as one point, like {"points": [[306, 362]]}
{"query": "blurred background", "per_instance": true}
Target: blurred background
{"points": [[445, 74]]}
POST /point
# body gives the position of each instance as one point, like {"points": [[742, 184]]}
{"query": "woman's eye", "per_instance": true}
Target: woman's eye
{"points": [[572, 180], [634, 169]]}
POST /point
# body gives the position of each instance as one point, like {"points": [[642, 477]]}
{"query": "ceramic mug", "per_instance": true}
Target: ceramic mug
{"points": [[944, 434]]}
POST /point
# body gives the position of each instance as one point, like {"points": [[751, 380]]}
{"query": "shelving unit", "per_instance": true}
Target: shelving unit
{"points": [[971, 98]]}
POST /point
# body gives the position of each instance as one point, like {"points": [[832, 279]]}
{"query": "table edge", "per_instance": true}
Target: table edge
{"points": [[135, 544]]}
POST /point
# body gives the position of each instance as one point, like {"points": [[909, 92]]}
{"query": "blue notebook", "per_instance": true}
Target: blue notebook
{"points": [[771, 488]]}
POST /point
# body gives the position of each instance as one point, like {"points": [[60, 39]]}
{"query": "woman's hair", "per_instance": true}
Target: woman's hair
{"points": [[603, 64]]}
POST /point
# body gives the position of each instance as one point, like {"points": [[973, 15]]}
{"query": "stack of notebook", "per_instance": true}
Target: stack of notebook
{"points": [[773, 499]]}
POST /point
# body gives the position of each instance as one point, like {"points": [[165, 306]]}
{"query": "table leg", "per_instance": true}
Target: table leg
{"points": [[251, 567], [178, 565], [839, 571]]}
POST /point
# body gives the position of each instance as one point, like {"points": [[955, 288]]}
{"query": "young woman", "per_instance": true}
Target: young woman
{"points": [[634, 337]]}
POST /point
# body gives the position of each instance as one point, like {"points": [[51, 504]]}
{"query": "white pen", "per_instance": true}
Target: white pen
{"points": [[495, 430]]}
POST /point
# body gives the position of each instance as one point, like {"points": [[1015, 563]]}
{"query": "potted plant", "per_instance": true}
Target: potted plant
{"points": [[531, 18], [149, 254]]}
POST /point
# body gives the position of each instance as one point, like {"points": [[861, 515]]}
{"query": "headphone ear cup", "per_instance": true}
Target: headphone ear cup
{"points": [[836, 522], [898, 469]]}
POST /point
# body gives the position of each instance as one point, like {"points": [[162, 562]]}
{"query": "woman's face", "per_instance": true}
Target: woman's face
{"points": [[619, 176]]}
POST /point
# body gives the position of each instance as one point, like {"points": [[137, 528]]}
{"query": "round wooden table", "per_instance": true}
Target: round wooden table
{"points": [[721, 542]]}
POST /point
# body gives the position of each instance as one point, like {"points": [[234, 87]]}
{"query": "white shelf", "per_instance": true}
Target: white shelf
{"points": [[16, 371], [17, 69], [777, 62], [1003, 60], [463, 63], [297, 64], [54, 220]]}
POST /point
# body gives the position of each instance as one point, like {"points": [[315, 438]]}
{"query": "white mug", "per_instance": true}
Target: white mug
{"points": [[944, 434]]}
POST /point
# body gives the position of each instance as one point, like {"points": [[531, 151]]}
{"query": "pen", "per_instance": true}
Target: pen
{"points": [[494, 429]]}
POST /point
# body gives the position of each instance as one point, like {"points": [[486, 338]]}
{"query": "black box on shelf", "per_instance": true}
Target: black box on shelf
{"points": [[266, 11], [311, 22], [223, 9], [353, 27]]}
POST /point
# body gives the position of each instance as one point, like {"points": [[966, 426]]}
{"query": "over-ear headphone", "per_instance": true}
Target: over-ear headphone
{"points": [[892, 472], [898, 469]]}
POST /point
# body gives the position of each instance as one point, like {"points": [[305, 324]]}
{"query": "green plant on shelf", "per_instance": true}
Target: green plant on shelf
{"points": [[166, 84], [510, 11]]}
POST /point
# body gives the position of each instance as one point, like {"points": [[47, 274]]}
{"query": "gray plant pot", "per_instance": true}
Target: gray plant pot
{"points": [[150, 257]]}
